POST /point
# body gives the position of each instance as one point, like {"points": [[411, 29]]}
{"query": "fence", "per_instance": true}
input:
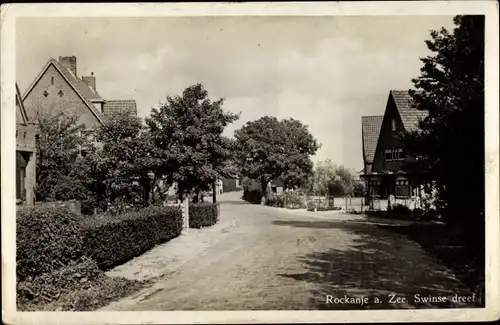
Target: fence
{"points": [[354, 204]]}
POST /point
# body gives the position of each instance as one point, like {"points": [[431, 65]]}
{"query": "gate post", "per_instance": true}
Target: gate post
{"points": [[185, 209]]}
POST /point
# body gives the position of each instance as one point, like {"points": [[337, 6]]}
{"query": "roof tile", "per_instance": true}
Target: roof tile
{"points": [[370, 126], [120, 106], [410, 116]]}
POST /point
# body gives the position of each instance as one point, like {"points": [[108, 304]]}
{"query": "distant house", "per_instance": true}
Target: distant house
{"points": [[383, 153], [277, 186], [26, 132], [58, 88]]}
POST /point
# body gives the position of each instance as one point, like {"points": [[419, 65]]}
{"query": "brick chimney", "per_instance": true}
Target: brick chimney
{"points": [[69, 62], [90, 80]]}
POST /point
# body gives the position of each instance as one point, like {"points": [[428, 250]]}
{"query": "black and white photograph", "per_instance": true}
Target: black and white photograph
{"points": [[249, 162]]}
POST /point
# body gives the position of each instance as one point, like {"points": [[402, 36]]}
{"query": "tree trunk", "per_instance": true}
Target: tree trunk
{"points": [[180, 192], [263, 185], [214, 189]]}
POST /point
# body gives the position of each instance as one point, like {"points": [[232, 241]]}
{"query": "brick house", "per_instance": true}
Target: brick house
{"points": [[25, 154], [383, 154], [58, 88]]}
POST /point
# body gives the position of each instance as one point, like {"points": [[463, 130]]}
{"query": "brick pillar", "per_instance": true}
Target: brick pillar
{"points": [[30, 179]]}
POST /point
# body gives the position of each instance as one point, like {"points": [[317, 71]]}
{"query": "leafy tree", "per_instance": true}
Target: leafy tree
{"points": [[448, 149], [187, 130], [269, 149], [58, 151], [330, 178], [122, 161]]}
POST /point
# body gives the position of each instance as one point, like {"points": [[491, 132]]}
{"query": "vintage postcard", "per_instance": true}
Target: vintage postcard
{"points": [[250, 162]]}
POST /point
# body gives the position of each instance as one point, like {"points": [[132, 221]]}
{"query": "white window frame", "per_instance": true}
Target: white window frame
{"points": [[393, 124], [396, 154]]}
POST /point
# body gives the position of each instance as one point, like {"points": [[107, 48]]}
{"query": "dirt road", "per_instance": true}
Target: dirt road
{"points": [[262, 258]]}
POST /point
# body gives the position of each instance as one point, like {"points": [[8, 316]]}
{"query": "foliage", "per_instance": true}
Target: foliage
{"points": [[253, 195], [113, 240], [76, 287], [328, 178], [400, 210], [120, 165], [47, 238], [293, 200], [47, 287], [57, 153], [202, 215], [358, 189], [451, 89], [187, 132], [271, 149], [275, 200]]}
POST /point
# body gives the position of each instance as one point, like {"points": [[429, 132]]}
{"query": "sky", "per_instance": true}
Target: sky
{"points": [[325, 71]]}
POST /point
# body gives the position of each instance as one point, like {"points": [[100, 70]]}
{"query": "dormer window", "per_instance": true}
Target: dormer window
{"points": [[393, 125]]}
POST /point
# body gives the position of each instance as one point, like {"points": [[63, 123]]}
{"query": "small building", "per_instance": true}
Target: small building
{"points": [[26, 134], [383, 154], [277, 186]]}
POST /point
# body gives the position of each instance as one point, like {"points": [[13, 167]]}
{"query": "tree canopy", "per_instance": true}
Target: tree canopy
{"points": [[58, 150], [448, 148], [187, 131], [270, 149]]}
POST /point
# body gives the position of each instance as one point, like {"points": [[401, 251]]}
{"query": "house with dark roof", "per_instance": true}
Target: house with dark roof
{"points": [[26, 133], [383, 153], [59, 88]]}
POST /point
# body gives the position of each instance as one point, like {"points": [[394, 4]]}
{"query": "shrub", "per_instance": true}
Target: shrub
{"points": [[293, 200], [400, 210], [253, 196], [47, 238], [80, 287], [113, 240], [49, 286], [202, 215]]}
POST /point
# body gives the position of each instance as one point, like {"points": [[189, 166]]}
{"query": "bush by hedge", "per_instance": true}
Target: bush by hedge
{"points": [[253, 196], [293, 200], [113, 240], [47, 238], [49, 286], [202, 215], [78, 286]]}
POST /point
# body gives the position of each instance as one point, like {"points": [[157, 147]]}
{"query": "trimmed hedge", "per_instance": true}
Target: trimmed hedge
{"points": [[202, 215], [47, 238], [114, 240], [253, 196]]}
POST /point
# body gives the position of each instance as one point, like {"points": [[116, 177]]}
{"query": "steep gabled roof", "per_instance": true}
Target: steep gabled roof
{"points": [[111, 107], [84, 91], [370, 129], [410, 116], [23, 117]]}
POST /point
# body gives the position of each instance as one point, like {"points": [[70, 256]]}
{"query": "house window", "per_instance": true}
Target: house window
{"points": [[45, 93], [393, 124], [393, 154], [52, 80], [403, 188], [60, 93]]}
